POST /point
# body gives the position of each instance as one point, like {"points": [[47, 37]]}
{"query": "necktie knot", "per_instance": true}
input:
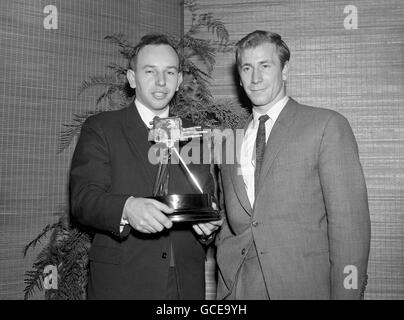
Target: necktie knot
{"points": [[263, 118]]}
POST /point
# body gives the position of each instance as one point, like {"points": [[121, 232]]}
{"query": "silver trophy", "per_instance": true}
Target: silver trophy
{"points": [[199, 207]]}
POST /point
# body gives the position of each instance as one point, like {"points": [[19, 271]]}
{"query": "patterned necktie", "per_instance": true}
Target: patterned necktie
{"points": [[260, 144]]}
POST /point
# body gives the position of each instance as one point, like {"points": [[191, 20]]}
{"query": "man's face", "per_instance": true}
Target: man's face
{"points": [[261, 75], [156, 77]]}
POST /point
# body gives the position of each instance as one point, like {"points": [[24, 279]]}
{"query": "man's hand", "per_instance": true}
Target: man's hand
{"points": [[206, 229], [147, 215]]}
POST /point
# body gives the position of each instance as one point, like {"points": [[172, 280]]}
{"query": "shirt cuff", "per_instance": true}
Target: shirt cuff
{"points": [[124, 221]]}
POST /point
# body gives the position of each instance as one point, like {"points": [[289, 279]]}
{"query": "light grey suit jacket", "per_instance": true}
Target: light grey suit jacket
{"points": [[310, 220]]}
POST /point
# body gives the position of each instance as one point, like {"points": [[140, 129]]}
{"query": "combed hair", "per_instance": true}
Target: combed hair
{"points": [[154, 39], [258, 37]]}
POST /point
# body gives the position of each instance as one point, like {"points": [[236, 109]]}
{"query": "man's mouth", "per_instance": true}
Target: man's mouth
{"points": [[257, 90], [159, 95]]}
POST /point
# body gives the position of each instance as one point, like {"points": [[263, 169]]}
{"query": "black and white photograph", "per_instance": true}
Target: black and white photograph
{"points": [[219, 151]]}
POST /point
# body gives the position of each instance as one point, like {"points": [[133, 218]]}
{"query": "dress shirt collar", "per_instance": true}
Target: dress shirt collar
{"points": [[273, 112], [148, 115]]}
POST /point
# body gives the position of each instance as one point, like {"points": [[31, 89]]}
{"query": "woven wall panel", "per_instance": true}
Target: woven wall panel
{"points": [[161, 16], [41, 71], [359, 73]]}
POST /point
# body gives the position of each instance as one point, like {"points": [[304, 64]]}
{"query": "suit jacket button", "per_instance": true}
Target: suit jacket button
{"points": [[164, 255], [243, 251], [254, 223]]}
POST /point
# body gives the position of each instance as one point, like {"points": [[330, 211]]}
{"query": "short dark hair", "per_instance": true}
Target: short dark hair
{"points": [[155, 39], [258, 37]]}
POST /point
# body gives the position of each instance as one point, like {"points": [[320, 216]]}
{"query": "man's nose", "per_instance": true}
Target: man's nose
{"points": [[256, 76], [160, 79]]}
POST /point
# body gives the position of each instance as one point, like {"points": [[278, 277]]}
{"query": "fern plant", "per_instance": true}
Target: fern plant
{"points": [[68, 244]]}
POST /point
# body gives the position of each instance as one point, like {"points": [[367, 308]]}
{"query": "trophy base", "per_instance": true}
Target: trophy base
{"points": [[192, 216], [190, 207]]}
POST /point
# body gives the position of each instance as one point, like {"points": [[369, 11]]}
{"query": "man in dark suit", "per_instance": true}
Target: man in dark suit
{"points": [[298, 222], [137, 252]]}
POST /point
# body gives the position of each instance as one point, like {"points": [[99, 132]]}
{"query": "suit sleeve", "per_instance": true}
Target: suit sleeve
{"points": [[346, 202], [90, 180]]}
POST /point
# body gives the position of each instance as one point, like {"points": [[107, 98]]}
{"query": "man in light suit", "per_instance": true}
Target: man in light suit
{"points": [[298, 223], [137, 252]]}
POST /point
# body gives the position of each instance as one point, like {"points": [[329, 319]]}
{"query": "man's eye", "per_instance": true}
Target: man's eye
{"points": [[149, 71], [266, 66], [171, 73], [246, 69]]}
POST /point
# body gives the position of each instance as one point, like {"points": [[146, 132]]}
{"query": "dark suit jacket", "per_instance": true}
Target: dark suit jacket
{"points": [[110, 163], [310, 220]]}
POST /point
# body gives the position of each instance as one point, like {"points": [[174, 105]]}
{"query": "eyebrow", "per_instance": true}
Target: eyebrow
{"points": [[246, 65], [153, 66], [260, 62]]}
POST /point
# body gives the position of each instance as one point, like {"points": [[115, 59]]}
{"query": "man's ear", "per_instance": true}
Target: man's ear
{"points": [[130, 75], [179, 81], [285, 71]]}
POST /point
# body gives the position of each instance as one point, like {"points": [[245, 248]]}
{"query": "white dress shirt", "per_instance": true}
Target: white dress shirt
{"points": [[247, 156], [148, 115]]}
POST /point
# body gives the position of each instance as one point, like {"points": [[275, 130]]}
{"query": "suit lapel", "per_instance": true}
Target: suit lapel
{"points": [[277, 139], [137, 135], [237, 177]]}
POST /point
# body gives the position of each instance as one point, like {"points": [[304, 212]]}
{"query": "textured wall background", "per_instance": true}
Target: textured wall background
{"points": [[357, 72], [40, 73]]}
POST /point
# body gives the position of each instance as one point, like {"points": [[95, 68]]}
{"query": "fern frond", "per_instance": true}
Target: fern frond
{"points": [[191, 5], [39, 237], [190, 67], [33, 280], [229, 113], [117, 69], [218, 27], [207, 20], [105, 80], [223, 47], [126, 49], [116, 88], [118, 39], [73, 128], [199, 48]]}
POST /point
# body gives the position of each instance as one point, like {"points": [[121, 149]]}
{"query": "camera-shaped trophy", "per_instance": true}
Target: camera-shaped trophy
{"points": [[195, 208]]}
